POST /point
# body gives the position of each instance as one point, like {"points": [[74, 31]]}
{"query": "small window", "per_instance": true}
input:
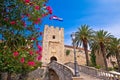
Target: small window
{"points": [[53, 37]]}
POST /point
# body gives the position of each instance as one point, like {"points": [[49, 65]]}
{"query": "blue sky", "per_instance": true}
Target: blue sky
{"points": [[98, 14]]}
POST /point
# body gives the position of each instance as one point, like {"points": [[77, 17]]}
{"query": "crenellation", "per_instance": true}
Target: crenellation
{"points": [[57, 28], [51, 27]]}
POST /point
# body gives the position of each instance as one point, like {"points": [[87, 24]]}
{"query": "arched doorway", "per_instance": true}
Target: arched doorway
{"points": [[53, 58], [53, 75]]}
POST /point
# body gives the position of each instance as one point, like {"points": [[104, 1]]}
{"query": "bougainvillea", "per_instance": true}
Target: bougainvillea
{"points": [[20, 50]]}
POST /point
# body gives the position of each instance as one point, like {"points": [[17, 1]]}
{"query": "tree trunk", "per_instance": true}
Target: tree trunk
{"points": [[9, 76], [86, 53], [118, 61], [104, 56]]}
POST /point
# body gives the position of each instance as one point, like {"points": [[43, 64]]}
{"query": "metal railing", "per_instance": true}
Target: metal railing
{"points": [[105, 75]]}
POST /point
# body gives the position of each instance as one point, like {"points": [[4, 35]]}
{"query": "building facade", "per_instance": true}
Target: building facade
{"points": [[54, 48]]}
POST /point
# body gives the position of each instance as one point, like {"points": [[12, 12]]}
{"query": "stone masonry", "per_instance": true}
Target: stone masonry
{"points": [[53, 46]]}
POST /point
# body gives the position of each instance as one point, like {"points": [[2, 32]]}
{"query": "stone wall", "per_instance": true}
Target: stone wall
{"points": [[79, 54], [53, 44], [100, 61]]}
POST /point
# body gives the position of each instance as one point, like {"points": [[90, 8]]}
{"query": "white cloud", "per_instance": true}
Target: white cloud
{"points": [[108, 1], [103, 15], [114, 29]]}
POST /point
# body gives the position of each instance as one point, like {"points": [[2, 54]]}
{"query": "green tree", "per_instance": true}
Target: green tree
{"points": [[114, 50], [93, 58], [67, 52], [19, 35], [101, 39], [83, 37]]}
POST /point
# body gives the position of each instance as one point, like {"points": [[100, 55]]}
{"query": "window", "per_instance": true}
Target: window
{"points": [[53, 37]]}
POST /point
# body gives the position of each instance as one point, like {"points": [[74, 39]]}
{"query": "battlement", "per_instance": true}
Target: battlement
{"points": [[53, 34], [53, 28]]}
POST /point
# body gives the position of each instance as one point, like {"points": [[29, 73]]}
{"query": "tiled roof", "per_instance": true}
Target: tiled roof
{"points": [[68, 46]]}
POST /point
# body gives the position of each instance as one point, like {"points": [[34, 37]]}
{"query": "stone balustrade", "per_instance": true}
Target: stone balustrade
{"points": [[63, 71], [105, 75]]}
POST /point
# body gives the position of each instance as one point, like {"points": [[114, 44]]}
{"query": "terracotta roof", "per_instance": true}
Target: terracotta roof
{"points": [[69, 46]]}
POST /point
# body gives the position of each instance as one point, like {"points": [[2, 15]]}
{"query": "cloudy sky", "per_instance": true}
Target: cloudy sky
{"points": [[98, 14]]}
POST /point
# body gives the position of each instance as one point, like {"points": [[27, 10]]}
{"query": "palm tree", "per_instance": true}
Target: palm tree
{"points": [[114, 50], [101, 38], [83, 36]]}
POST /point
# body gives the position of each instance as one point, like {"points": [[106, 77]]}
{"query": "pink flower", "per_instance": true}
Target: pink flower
{"points": [[39, 57], [31, 52], [15, 54], [37, 52], [6, 19], [32, 38], [28, 15], [22, 16], [50, 11], [40, 33], [27, 1], [37, 7], [23, 23], [40, 48], [22, 60], [48, 8], [37, 21], [43, 15], [31, 63], [12, 22]]}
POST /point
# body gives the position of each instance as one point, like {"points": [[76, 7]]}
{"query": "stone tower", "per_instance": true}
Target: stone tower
{"points": [[53, 44]]}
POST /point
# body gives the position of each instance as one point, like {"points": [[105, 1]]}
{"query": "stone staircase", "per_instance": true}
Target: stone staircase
{"points": [[88, 73], [58, 71]]}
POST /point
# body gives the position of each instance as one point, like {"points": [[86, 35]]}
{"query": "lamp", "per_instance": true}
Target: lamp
{"points": [[75, 59]]}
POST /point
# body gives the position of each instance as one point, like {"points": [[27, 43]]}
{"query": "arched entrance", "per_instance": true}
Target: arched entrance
{"points": [[53, 58], [53, 75]]}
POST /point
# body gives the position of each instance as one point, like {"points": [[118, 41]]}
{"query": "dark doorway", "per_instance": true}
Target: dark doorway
{"points": [[53, 58], [53, 75]]}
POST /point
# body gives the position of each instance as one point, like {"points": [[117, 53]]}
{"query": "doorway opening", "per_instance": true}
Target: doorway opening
{"points": [[53, 58]]}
